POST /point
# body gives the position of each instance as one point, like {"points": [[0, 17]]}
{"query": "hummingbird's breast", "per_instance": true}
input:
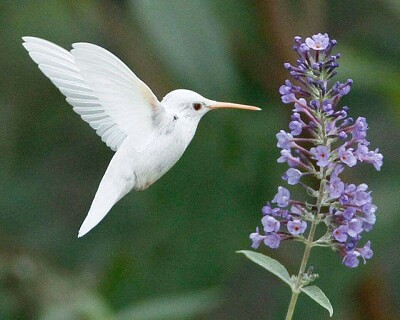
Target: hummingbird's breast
{"points": [[160, 152]]}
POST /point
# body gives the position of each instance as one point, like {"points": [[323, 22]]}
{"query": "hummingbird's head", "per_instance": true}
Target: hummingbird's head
{"points": [[190, 105]]}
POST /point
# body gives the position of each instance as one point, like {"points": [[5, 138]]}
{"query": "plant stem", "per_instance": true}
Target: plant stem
{"points": [[303, 265], [309, 244]]}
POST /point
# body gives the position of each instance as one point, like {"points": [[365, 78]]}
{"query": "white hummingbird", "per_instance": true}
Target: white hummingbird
{"points": [[148, 136]]}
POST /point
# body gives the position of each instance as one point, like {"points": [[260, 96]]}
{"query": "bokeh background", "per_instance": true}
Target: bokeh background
{"points": [[169, 252]]}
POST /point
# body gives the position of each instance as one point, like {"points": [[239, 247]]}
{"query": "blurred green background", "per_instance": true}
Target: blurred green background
{"points": [[169, 252]]}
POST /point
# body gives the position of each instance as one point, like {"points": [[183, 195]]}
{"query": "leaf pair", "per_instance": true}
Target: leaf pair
{"points": [[280, 271]]}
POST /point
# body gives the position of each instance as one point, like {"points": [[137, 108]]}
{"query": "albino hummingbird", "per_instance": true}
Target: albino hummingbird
{"points": [[148, 136]]}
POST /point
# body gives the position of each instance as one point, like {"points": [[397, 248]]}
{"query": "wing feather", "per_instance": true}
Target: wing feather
{"points": [[101, 89]]}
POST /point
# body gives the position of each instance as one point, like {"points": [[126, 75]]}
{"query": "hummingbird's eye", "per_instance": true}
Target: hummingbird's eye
{"points": [[197, 106]]}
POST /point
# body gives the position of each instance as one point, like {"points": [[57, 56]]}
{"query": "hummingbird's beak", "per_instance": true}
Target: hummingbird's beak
{"points": [[218, 105]]}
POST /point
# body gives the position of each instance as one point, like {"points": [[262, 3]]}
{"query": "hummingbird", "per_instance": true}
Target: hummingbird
{"points": [[148, 136]]}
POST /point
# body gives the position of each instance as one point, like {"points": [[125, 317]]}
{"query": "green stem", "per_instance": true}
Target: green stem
{"points": [[309, 244], [296, 290]]}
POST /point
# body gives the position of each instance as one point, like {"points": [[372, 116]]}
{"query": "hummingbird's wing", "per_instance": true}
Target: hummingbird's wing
{"points": [[112, 99], [101, 89]]}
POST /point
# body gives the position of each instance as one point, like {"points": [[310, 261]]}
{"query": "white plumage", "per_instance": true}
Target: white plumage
{"points": [[148, 136]]}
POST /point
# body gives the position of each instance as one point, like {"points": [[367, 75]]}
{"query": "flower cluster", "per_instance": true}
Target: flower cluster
{"points": [[322, 141]]}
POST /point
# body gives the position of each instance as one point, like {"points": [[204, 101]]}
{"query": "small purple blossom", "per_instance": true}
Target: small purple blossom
{"points": [[361, 196], [286, 156], [285, 140], [287, 91], [354, 227], [366, 251], [296, 127], [272, 240], [304, 48], [369, 216], [349, 213], [342, 135], [318, 41], [256, 239], [268, 210], [300, 105], [296, 227], [292, 176], [328, 109], [321, 154], [365, 155], [288, 98], [344, 89], [351, 259], [340, 233], [282, 198], [347, 156], [270, 224], [336, 187], [360, 129]]}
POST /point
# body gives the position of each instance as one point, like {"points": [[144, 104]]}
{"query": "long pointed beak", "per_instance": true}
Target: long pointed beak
{"points": [[218, 105]]}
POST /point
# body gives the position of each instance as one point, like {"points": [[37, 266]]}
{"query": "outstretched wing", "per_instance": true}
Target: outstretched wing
{"points": [[101, 89]]}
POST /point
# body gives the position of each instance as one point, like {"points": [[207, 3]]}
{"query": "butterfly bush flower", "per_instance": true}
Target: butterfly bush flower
{"points": [[322, 143]]}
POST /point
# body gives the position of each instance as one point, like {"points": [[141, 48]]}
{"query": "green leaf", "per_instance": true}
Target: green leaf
{"points": [[317, 295], [270, 264]]}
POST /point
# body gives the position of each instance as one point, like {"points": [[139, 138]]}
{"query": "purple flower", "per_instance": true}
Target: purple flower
{"points": [[349, 212], [285, 214], [320, 154], [360, 129], [295, 127], [340, 233], [369, 215], [351, 259], [268, 210], [328, 109], [351, 188], [288, 98], [304, 48], [368, 156], [351, 243], [296, 227], [256, 238], [376, 159], [282, 198], [296, 210], [286, 156], [287, 92], [354, 227], [361, 197], [318, 41], [296, 117], [270, 224], [344, 88], [347, 156], [361, 152], [336, 187], [366, 251], [369, 208], [284, 140], [342, 135], [299, 105], [272, 240], [292, 176]]}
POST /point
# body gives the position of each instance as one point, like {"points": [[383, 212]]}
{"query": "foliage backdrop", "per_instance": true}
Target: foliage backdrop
{"points": [[168, 253]]}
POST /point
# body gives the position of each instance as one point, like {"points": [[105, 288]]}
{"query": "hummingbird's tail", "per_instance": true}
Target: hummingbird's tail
{"points": [[116, 183]]}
